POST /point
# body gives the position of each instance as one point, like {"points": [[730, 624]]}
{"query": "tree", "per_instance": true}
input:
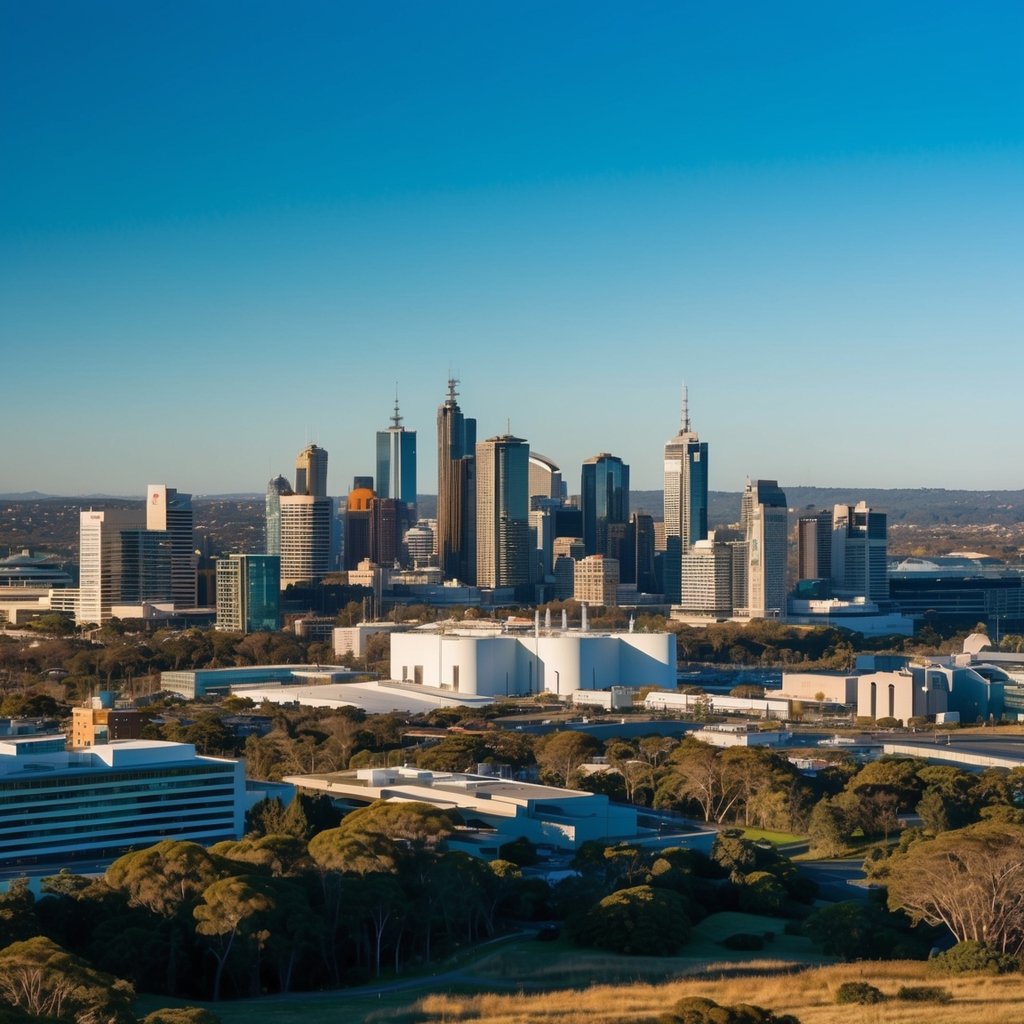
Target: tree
{"points": [[971, 880], [46, 981], [18, 919], [163, 877], [828, 830], [641, 920], [699, 772], [560, 754], [226, 914], [411, 822]]}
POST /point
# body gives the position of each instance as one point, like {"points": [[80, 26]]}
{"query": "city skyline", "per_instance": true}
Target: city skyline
{"points": [[810, 214]]}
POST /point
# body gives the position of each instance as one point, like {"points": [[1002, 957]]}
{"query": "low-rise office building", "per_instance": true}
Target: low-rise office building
{"points": [[61, 805], [502, 810]]}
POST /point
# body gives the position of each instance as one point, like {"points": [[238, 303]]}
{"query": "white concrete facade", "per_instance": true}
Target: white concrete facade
{"points": [[545, 815], [560, 663]]}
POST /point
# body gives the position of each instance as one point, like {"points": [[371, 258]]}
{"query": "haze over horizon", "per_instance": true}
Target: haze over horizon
{"points": [[226, 231]]}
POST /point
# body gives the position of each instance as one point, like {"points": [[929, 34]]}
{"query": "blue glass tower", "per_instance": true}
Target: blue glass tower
{"points": [[604, 492]]}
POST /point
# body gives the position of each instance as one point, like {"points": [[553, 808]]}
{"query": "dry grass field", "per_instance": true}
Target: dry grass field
{"points": [[809, 994]]}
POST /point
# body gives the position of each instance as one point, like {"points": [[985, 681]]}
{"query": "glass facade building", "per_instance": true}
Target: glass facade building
{"points": [[604, 496], [249, 593]]}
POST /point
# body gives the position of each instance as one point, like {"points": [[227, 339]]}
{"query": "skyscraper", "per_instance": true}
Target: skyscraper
{"points": [[456, 490], [814, 546], [396, 461], [502, 512], [249, 593], [545, 478], [275, 489], [169, 511], [604, 496], [306, 521], [686, 499], [860, 539], [357, 521], [641, 536], [766, 525], [311, 472], [99, 572]]}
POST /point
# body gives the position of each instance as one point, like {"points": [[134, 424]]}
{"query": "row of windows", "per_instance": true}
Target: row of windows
{"points": [[108, 846], [212, 817], [114, 781], [132, 807], [15, 796]]}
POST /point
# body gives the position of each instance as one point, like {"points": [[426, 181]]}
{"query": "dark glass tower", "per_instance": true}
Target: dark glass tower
{"points": [[456, 490], [604, 492]]}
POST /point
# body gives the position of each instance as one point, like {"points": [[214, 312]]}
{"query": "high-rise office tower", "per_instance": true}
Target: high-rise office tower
{"points": [[707, 578], [502, 510], [814, 546], [249, 593], [686, 499], [311, 472], [545, 478], [604, 497], [766, 522], [456, 490], [357, 522], [396, 461], [306, 521], [387, 519], [169, 511], [275, 489], [860, 552], [596, 581], [120, 561], [641, 536]]}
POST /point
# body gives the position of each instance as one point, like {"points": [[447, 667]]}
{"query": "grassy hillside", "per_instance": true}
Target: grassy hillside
{"points": [[810, 995]]}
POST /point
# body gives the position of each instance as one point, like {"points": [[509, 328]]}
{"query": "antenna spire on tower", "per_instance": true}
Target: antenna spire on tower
{"points": [[685, 416], [396, 419]]}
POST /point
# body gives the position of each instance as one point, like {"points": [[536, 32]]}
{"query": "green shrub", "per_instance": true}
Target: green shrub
{"points": [[974, 957], [858, 992], [697, 1010], [924, 994]]}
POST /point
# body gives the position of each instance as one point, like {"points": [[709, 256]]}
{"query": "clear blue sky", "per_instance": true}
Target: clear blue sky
{"points": [[230, 228]]}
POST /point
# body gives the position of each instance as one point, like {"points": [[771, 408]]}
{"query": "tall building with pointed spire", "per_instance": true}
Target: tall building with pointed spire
{"points": [[396, 461], [686, 499], [456, 489]]}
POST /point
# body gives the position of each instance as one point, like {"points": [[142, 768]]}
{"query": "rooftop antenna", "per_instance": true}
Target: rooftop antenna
{"points": [[686, 410], [452, 393], [396, 420], [508, 426]]}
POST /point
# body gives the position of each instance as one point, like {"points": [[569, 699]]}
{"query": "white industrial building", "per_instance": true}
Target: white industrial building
{"points": [[557, 661]]}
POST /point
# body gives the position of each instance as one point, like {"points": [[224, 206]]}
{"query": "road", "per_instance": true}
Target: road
{"points": [[834, 878]]}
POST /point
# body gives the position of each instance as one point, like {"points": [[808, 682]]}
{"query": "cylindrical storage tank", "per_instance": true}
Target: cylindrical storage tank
{"points": [[561, 670], [648, 659]]}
